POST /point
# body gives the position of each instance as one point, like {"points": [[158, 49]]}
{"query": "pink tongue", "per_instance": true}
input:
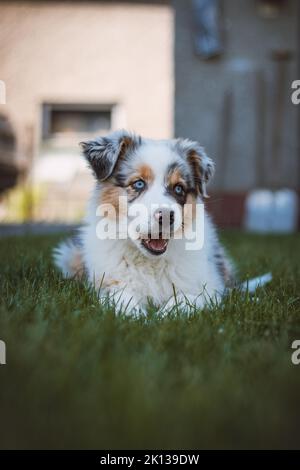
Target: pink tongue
{"points": [[157, 244]]}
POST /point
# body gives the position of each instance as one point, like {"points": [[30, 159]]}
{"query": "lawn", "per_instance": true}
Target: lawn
{"points": [[79, 377]]}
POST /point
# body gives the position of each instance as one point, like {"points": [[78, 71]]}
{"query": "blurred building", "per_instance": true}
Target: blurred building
{"points": [[77, 69], [216, 71], [237, 100]]}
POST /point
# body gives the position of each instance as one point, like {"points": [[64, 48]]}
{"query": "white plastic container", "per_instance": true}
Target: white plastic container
{"points": [[285, 214], [271, 211]]}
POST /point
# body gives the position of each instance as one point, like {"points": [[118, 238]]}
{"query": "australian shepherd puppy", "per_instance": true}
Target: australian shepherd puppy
{"points": [[137, 241]]}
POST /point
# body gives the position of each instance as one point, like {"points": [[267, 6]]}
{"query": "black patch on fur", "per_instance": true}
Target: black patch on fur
{"points": [[105, 153]]}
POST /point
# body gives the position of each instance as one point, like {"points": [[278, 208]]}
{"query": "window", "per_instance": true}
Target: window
{"points": [[65, 123]]}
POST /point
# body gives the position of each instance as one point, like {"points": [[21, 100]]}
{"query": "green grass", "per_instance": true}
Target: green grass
{"points": [[79, 377]]}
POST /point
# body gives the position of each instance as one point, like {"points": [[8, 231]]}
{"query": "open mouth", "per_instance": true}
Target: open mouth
{"points": [[156, 246]]}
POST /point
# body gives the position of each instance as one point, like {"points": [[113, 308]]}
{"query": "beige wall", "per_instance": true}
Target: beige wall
{"points": [[87, 52], [224, 104]]}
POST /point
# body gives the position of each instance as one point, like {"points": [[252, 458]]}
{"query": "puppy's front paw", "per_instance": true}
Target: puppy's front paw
{"points": [[126, 303], [136, 312], [185, 304], [174, 304]]}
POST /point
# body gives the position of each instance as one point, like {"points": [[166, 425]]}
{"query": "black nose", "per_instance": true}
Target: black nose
{"points": [[161, 215]]}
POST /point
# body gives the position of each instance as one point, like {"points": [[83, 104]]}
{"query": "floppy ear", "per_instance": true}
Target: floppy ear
{"points": [[202, 166], [103, 153]]}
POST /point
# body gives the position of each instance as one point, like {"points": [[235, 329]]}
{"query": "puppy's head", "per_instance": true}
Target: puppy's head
{"points": [[157, 178]]}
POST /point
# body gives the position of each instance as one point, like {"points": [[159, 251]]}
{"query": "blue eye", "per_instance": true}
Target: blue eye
{"points": [[139, 185], [178, 189]]}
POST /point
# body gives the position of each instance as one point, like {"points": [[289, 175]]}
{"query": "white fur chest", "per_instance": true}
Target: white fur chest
{"points": [[117, 266]]}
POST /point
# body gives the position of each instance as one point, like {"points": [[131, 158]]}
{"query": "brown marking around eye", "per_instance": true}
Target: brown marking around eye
{"points": [[175, 177], [143, 172], [146, 173]]}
